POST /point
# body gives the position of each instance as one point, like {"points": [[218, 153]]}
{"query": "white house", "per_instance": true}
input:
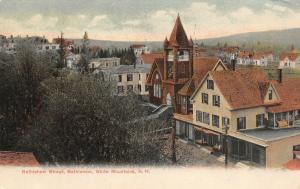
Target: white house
{"points": [[72, 60], [289, 60], [262, 58], [48, 47], [104, 63], [140, 49], [128, 78], [244, 58]]}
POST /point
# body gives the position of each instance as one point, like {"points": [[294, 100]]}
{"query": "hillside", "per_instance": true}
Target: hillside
{"points": [[278, 38]]}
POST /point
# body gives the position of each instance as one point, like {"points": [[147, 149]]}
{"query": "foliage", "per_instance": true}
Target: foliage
{"points": [[83, 123]]}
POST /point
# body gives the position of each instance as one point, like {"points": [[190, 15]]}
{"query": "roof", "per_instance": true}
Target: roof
{"points": [[158, 66], [290, 55], [178, 35], [244, 54], [241, 88], [271, 134], [136, 46], [121, 69], [292, 165], [201, 65], [150, 58], [17, 159], [259, 55], [288, 91]]}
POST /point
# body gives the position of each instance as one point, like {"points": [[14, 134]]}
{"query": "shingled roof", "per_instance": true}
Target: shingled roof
{"points": [[17, 159], [290, 55], [289, 92], [178, 35], [150, 58], [241, 88], [201, 66]]}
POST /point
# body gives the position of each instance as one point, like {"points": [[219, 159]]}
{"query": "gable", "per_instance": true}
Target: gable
{"points": [[197, 96], [275, 96]]}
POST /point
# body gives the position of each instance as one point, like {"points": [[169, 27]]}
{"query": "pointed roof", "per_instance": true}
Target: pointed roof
{"points": [[178, 35]]}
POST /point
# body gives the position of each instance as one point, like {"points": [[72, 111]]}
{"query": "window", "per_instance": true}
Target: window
{"points": [[139, 88], [139, 77], [225, 121], [157, 87], [260, 120], [47, 47], [199, 115], [204, 98], [270, 94], [120, 78], [120, 89], [129, 77], [210, 84], [53, 47], [129, 88], [241, 123], [206, 118], [216, 100], [215, 120]]}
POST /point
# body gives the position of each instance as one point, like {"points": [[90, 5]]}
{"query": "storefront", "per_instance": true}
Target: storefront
{"points": [[240, 150], [198, 135]]}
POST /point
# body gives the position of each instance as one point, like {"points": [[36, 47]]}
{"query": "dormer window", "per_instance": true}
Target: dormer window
{"points": [[270, 94]]}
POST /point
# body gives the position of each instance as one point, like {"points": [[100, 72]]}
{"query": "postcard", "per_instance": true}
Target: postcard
{"points": [[140, 94]]}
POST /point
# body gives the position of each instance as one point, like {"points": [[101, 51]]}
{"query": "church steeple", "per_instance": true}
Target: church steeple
{"points": [[178, 36]]}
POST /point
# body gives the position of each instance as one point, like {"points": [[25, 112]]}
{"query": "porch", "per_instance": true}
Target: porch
{"points": [[284, 119]]}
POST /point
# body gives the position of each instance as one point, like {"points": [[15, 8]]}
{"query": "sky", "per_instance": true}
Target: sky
{"points": [[145, 20]]}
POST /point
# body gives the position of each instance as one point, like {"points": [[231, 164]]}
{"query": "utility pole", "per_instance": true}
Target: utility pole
{"points": [[173, 145], [61, 50], [225, 144]]}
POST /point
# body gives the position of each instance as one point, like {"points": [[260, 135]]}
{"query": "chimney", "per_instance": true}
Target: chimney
{"points": [[279, 75], [233, 63]]}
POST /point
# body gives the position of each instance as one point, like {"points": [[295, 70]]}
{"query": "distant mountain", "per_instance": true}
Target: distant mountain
{"points": [[120, 44], [281, 38]]}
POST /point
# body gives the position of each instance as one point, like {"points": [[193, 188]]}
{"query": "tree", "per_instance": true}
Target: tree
{"points": [[85, 43], [21, 91], [83, 64], [83, 122]]}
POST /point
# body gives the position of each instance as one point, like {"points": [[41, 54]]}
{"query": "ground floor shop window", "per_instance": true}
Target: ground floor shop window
{"points": [[185, 131], [240, 150]]}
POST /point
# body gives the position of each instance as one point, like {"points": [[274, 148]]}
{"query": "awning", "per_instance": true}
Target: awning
{"points": [[206, 131], [210, 132]]}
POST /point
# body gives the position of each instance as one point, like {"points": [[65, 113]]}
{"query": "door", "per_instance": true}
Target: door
{"points": [[191, 132]]}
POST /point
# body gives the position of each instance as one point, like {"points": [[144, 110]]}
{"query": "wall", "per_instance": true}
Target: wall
{"points": [[281, 151], [250, 115], [135, 82], [222, 111]]}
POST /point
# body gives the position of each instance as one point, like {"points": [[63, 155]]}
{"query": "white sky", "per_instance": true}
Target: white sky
{"points": [[145, 20]]}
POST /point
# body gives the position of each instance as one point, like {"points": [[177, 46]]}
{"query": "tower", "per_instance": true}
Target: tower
{"points": [[178, 62]]}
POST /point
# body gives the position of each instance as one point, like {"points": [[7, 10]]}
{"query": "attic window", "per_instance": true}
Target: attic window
{"points": [[270, 94], [210, 84]]}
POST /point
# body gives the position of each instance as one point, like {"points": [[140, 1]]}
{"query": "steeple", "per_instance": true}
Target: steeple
{"points": [[166, 42], [191, 43], [178, 36]]}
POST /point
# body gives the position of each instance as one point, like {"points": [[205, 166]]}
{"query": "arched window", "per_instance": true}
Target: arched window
{"points": [[157, 86]]}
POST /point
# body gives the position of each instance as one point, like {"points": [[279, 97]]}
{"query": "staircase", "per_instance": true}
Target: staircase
{"points": [[160, 111]]}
